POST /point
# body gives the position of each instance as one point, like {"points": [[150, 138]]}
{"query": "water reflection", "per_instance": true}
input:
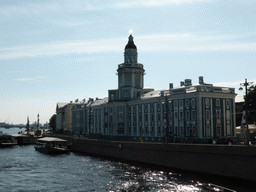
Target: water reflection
{"points": [[24, 169]]}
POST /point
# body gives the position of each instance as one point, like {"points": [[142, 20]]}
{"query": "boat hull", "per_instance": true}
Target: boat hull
{"points": [[52, 150]]}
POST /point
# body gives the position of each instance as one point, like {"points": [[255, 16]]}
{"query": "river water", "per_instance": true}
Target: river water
{"points": [[24, 169]]}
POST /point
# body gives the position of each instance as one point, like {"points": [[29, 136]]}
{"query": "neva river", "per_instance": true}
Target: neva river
{"points": [[24, 169]]}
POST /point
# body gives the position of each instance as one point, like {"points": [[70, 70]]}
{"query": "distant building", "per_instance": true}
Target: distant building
{"points": [[199, 111]]}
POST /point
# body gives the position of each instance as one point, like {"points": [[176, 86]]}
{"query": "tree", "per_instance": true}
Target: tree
{"points": [[251, 99], [52, 122]]}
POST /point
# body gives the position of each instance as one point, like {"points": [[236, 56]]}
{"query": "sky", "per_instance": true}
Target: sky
{"points": [[60, 51]]}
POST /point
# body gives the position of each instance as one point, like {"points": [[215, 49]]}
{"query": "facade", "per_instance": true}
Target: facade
{"points": [[197, 111]]}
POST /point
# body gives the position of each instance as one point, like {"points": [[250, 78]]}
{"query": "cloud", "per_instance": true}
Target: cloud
{"points": [[154, 3], [232, 84], [34, 80], [161, 42], [82, 6]]}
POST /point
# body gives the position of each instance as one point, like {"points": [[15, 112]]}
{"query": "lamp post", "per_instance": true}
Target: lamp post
{"points": [[245, 84]]}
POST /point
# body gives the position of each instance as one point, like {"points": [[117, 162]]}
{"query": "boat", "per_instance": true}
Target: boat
{"points": [[52, 145], [7, 141]]}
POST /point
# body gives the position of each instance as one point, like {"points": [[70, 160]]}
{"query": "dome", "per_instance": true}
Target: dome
{"points": [[130, 44]]}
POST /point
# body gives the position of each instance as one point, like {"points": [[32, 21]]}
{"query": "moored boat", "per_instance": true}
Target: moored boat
{"points": [[52, 145], [7, 141]]}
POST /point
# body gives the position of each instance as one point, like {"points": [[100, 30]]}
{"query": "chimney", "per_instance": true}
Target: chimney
{"points": [[188, 82], [181, 83], [201, 80], [170, 85]]}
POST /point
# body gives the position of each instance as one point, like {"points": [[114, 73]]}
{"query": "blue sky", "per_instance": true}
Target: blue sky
{"points": [[58, 51]]}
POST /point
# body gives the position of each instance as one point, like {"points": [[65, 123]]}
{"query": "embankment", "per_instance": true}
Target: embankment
{"points": [[224, 160]]}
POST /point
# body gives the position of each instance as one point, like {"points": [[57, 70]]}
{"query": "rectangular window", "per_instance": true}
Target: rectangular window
{"points": [[146, 117], [158, 116], [193, 103], [134, 131], [175, 103], [207, 114], [176, 115], [193, 115], [187, 115], [207, 102], [146, 129], [218, 114], [188, 130], [218, 130], [187, 103], [208, 131], [217, 102], [227, 103], [181, 115], [152, 117], [181, 103]]}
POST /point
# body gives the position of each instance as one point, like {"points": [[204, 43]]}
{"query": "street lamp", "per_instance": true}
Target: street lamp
{"points": [[245, 84]]}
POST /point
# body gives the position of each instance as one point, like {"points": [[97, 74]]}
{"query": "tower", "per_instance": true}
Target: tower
{"points": [[130, 73]]}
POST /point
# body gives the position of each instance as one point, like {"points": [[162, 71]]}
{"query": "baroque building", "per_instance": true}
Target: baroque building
{"points": [[197, 112]]}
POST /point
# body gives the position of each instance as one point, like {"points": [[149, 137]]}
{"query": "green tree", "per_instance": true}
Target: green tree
{"points": [[251, 99], [52, 122]]}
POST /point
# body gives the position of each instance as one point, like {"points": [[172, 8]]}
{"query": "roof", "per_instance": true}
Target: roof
{"points": [[19, 135], [130, 44], [51, 139]]}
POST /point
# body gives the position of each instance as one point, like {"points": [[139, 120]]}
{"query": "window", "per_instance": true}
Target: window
{"points": [[171, 129], [181, 103], [217, 102], [207, 114], [193, 115], [228, 115], [187, 103], [208, 131], [181, 115], [207, 102], [121, 119], [175, 103], [176, 115], [140, 130], [158, 116], [218, 114], [227, 103], [193, 130], [188, 130], [182, 130], [146, 107], [159, 130], [146, 129], [193, 103], [153, 130], [140, 117], [175, 130], [134, 130], [218, 130], [152, 117], [187, 115], [146, 117]]}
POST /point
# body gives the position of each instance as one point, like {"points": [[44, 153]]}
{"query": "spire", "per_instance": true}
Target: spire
{"points": [[130, 44]]}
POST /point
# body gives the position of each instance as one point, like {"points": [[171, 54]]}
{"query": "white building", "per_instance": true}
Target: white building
{"points": [[189, 111]]}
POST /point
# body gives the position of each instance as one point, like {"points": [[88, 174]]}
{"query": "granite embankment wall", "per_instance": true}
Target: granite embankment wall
{"points": [[232, 161]]}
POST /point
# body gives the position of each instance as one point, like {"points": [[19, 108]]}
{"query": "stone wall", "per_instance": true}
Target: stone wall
{"points": [[232, 161]]}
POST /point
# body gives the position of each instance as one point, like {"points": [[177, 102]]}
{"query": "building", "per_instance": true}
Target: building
{"points": [[182, 113]]}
